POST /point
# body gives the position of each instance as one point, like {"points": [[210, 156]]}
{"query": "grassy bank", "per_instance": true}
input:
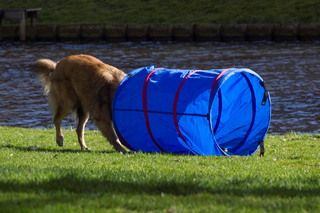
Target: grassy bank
{"points": [[66, 179], [171, 12]]}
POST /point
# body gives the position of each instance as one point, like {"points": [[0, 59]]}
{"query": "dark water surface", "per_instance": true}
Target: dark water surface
{"points": [[291, 70]]}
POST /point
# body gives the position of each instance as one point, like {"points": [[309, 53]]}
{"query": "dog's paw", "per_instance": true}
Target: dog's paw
{"points": [[121, 150], [60, 141], [86, 148]]}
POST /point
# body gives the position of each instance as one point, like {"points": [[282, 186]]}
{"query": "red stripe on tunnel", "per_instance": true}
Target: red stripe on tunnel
{"points": [[217, 79], [145, 107], [175, 103]]}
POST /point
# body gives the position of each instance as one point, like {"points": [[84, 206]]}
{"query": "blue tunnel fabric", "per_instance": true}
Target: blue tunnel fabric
{"points": [[198, 112]]}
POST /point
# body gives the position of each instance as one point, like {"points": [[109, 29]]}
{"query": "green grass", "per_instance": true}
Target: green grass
{"points": [[55, 179], [171, 12]]}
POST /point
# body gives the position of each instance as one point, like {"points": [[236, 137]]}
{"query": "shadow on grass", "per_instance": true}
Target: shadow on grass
{"points": [[61, 150], [109, 183], [75, 190]]}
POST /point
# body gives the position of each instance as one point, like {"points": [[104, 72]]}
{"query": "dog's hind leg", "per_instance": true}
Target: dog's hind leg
{"points": [[106, 129], [57, 119], [83, 118]]}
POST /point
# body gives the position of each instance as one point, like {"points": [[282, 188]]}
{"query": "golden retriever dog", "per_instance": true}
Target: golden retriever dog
{"points": [[85, 86]]}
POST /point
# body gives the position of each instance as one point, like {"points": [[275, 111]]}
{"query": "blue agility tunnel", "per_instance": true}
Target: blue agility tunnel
{"points": [[201, 112]]}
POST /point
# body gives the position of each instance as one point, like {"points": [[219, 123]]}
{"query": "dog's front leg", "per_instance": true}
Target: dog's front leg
{"points": [[106, 129]]}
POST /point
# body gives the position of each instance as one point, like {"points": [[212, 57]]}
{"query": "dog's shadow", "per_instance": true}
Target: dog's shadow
{"points": [[27, 149], [61, 150]]}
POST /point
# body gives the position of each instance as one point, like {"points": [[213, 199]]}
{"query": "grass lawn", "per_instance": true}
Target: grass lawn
{"points": [[55, 179], [170, 12]]}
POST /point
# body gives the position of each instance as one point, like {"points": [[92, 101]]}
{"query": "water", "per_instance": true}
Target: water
{"points": [[291, 70]]}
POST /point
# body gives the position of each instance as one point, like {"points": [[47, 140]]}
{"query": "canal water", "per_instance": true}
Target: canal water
{"points": [[291, 70]]}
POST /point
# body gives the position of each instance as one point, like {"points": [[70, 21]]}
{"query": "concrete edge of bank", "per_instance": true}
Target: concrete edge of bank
{"points": [[196, 32]]}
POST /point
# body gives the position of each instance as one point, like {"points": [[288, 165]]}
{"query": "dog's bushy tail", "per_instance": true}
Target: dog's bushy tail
{"points": [[45, 69]]}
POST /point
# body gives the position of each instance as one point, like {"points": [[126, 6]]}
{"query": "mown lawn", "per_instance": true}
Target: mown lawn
{"points": [[55, 179], [170, 12]]}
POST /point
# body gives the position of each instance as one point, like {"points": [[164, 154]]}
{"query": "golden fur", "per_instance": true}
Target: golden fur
{"points": [[85, 86]]}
